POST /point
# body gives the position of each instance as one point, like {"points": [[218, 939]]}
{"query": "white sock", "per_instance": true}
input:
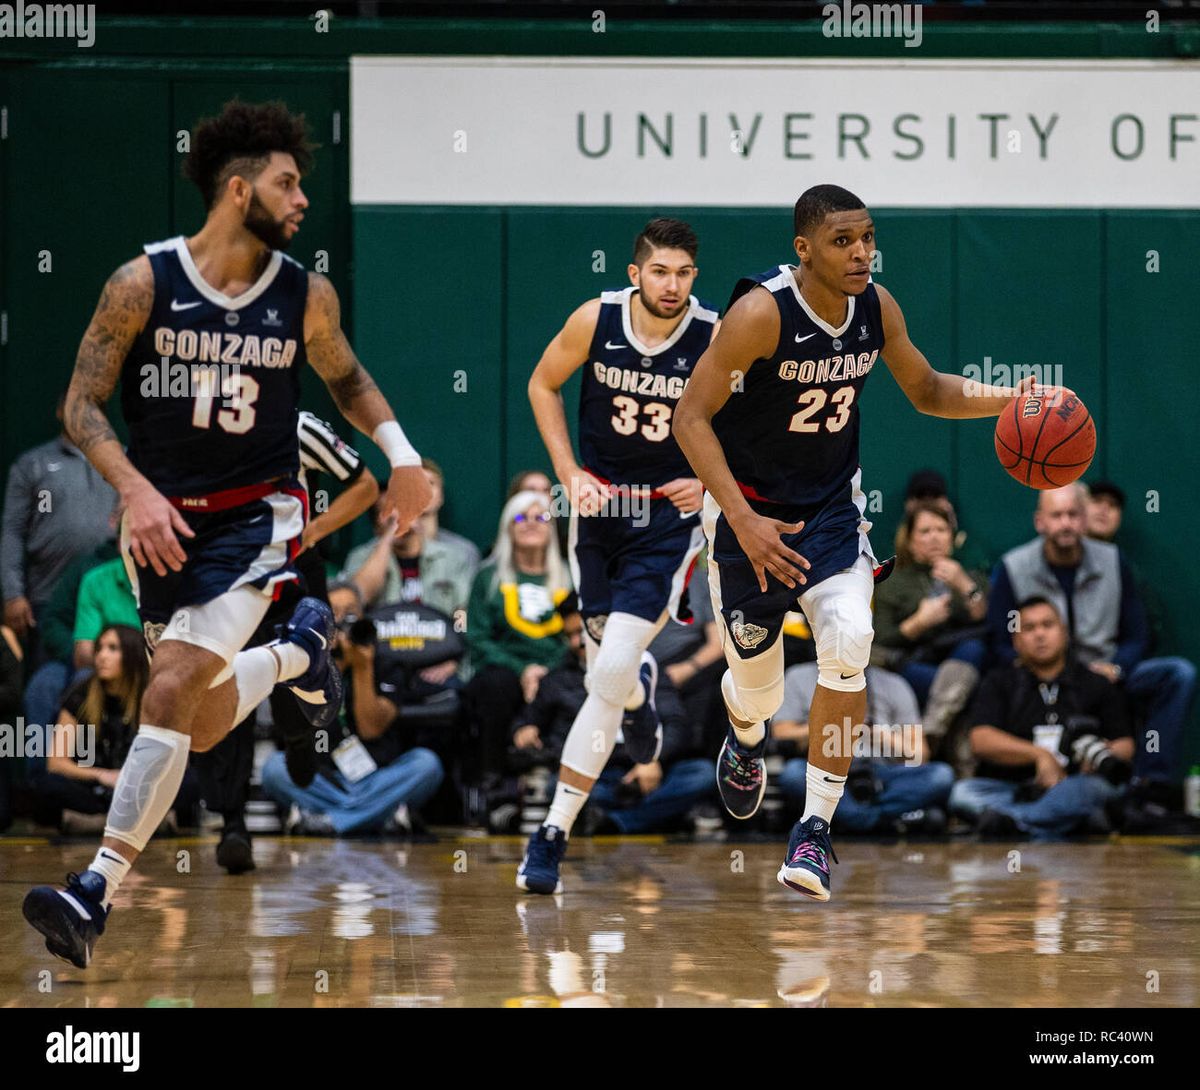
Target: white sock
{"points": [[114, 867], [293, 659], [256, 672], [823, 791], [568, 801]]}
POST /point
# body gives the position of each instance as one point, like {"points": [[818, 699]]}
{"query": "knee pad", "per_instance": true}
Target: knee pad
{"points": [[843, 633], [613, 675], [751, 703]]}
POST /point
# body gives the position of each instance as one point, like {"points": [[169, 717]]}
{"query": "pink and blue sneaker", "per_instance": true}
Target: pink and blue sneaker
{"points": [[806, 868]]}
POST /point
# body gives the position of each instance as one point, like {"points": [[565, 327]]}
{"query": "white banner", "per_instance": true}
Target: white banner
{"points": [[691, 131]]}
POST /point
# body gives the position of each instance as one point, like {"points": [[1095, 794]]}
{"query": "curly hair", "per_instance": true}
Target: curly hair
{"points": [[817, 203], [240, 141]]}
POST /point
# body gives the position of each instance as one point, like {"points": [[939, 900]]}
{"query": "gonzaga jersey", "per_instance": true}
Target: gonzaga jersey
{"points": [[791, 436], [210, 386], [629, 394]]}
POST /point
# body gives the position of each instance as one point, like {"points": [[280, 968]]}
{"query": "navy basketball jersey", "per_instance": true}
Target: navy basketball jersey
{"points": [[210, 386], [791, 435], [629, 394]]}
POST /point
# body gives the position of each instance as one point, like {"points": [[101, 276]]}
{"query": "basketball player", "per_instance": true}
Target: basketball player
{"points": [[637, 346], [213, 513], [770, 424]]}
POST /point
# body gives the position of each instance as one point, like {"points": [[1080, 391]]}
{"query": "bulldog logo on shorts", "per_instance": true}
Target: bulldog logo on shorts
{"points": [[152, 633], [595, 626], [748, 635]]}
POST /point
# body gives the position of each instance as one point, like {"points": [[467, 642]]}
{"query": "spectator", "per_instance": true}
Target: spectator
{"points": [[896, 782], [466, 551], [691, 656], [1105, 512], [512, 627], [411, 568], [1054, 739], [372, 779], [56, 628], [56, 508], [929, 618], [529, 480], [105, 598], [928, 485], [1090, 583], [96, 726], [11, 672], [627, 798]]}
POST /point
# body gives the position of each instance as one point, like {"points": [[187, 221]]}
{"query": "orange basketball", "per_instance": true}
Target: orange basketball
{"points": [[1046, 439]]}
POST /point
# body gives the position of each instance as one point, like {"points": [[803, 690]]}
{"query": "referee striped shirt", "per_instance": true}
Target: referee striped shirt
{"points": [[323, 451]]}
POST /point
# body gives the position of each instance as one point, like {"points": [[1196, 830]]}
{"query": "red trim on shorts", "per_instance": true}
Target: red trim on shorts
{"points": [[224, 500], [655, 494], [753, 494]]}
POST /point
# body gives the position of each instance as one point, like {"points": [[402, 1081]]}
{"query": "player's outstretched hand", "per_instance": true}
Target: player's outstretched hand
{"points": [[153, 525], [686, 493], [761, 542], [408, 494]]}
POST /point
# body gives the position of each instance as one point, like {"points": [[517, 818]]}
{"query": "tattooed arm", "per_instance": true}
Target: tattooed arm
{"points": [[120, 315], [357, 397]]}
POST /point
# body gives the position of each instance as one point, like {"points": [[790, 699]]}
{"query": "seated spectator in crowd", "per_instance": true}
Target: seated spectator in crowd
{"points": [[105, 598], [62, 660], [529, 480], [929, 486], [897, 783], [1092, 586], [1054, 739], [466, 550], [413, 567], [691, 656], [1105, 511], [372, 778], [929, 618], [627, 798], [12, 672], [96, 727], [512, 627], [56, 508]]}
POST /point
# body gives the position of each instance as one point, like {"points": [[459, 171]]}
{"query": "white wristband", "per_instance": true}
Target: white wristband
{"points": [[390, 438]]}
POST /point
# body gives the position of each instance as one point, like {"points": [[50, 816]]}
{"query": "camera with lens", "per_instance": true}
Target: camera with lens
{"points": [[1087, 749], [360, 631]]}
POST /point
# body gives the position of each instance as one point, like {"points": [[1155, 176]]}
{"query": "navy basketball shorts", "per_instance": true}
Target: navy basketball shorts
{"points": [[833, 538], [625, 564], [235, 565]]}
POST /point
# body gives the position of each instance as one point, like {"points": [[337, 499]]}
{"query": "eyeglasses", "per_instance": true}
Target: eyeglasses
{"points": [[522, 517]]}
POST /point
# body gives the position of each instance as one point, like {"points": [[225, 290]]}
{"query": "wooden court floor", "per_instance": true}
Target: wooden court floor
{"points": [[642, 922]]}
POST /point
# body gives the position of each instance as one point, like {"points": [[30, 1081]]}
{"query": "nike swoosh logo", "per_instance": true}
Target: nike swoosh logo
{"points": [[845, 676], [322, 639], [828, 780], [610, 345], [177, 305], [804, 338]]}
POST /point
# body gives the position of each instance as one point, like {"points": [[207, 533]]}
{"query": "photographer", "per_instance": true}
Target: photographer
{"points": [[1054, 739], [371, 777]]}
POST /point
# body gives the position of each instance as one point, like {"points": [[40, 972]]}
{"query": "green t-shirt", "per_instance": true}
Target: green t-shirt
{"points": [[105, 597]]}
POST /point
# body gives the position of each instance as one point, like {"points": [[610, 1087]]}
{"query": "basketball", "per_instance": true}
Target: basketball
{"points": [[1046, 439]]}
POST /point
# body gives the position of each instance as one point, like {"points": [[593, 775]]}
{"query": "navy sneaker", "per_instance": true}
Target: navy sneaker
{"points": [[72, 918], [319, 688], [641, 728], [741, 776], [538, 872], [806, 868]]}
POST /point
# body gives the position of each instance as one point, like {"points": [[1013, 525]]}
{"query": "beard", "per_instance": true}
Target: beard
{"points": [[655, 310], [269, 231]]}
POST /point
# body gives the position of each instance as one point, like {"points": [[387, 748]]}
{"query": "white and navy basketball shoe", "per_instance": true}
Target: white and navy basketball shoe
{"points": [[72, 919], [538, 872], [319, 688], [741, 775], [641, 728], [806, 868]]}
